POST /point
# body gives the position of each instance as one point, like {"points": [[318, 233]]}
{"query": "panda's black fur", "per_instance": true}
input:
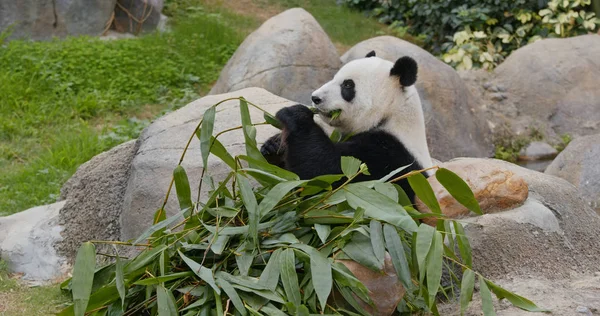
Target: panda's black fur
{"points": [[305, 149]]}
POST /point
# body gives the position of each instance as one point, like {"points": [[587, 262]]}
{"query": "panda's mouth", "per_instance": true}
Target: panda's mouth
{"points": [[332, 115]]}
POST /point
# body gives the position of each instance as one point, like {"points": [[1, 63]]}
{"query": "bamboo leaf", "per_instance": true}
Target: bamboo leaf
{"points": [[269, 168], [516, 300], [459, 189], [387, 189], [396, 250], [233, 296], [377, 241], [360, 250], [166, 302], [206, 131], [251, 205], [144, 259], [424, 239], [275, 195], [83, 277], [182, 186], [434, 266], [270, 275], [161, 225], [203, 273], [320, 268], [323, 231], [120, 280], [350, 166], [423, 190], [466, 290], [219, 150], [486, 298], [464, 247], [272, 120], [289, 277], [249, 133], [165, 278]]}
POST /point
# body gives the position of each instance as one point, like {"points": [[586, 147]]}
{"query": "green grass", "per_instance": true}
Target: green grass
{"points": [[64, 101], [17, 299]]}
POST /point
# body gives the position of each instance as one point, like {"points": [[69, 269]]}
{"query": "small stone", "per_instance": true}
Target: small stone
{"points": [[487, 85], [501, 88], [584, 310], [498, 96], [538, 151]]}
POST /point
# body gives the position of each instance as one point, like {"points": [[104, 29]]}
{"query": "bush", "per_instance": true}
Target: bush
{"points": [[274, 249]]}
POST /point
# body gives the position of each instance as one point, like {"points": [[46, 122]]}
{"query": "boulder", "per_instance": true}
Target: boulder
{"points": [[136, 16], [289, 55], [495, 189], [162, 143], [538, 151], [552, 85], [95, 197], [27, 242], [455, 127], [44, 19], [580, 165], [553, 234]]}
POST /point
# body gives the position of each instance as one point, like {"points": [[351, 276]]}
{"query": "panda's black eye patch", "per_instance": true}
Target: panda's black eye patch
{"points": [[348, 91]]}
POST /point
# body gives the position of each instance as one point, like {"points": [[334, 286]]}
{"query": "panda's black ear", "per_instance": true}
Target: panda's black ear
{"points": [[370, 54], [406, 69]]}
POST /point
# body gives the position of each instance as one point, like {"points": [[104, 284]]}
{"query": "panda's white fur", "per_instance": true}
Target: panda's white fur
{"points": [[380, 99]]}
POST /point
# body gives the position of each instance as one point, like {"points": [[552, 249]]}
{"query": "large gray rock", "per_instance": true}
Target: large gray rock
{"points": [[579, 164], [553, 234], [43, 19], [455, 127], [95, 197], [552, 85], [162, 143], [136, 16], [27, 242], [289, 55]]}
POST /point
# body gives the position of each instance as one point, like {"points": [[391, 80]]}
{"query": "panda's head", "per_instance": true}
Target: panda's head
{"points": [[369, 91]]}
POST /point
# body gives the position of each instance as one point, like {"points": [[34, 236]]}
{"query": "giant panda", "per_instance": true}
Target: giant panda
{"points": [[380, 110]]}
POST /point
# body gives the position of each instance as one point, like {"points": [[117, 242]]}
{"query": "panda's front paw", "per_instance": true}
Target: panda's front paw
{"points": [[272, 147], [295, 117]]}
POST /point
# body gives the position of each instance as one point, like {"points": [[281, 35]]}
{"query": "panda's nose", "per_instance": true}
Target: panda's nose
{"points": [[316, 99]]}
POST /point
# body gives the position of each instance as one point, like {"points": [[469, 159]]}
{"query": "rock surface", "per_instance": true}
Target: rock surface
{"points": [[95, 197], [538, 151], [44, 19], [555, 233], [579, 164], [385, 289], [550, 83], [162, 143], [495, 189], [27, 242], [455, 127], [289, 55], [136, 16]]}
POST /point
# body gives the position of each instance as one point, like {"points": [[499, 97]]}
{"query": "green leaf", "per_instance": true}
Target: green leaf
{"points": [[423, 190], [182, 185], [464, 247], [378, 206], [249, 133], [516, 300], [466, 290], [323, 231], [165, 278], [360, 250], [343, 277], [269, 168], [350, 166], [272, 120], [335, 136], [275, 195], [458, 189], [434, 266], [120, 280], [270, 275], [233, 296], [424, 239], [396, 250], [161, 225], [322, 279], [386, 189], [289, 277], [377, 241], [166, 302], [251, 205], [402, 197], [203, 273], [83, 277], [486, 298], [206, 131], [219, 150], [303, 311]]}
